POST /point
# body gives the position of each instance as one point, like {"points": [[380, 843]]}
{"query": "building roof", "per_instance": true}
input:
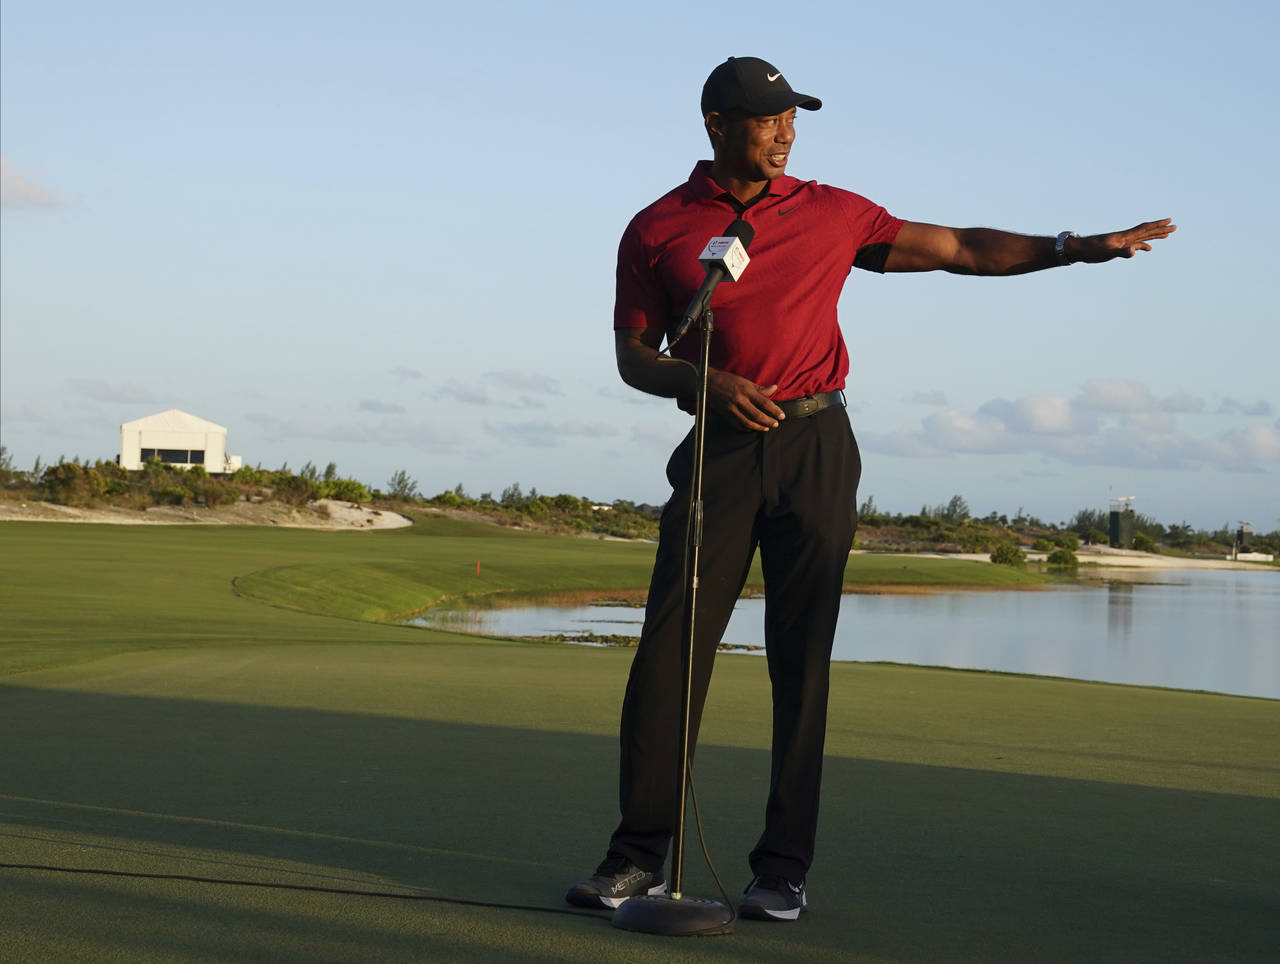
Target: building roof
{"points": [[174, 420]]}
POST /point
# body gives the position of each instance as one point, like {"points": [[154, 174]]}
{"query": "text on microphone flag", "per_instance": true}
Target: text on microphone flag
{"points": [[727, 253]]}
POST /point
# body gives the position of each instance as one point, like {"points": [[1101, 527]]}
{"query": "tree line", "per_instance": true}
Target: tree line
{"points": [[946, 526], [954, 519], [79, 482]]}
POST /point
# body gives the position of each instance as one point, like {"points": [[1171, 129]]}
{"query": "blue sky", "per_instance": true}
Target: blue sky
{"points": [[384, 234]]}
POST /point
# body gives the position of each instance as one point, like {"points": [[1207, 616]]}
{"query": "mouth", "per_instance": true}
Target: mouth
{"points": [[777, 160]]}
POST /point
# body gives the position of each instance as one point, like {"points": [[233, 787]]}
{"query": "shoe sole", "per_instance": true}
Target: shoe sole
{"points": [[580, 898], [757, 912]]}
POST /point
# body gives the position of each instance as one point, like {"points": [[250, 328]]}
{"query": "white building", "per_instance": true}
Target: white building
{"points": [[178, 439]]}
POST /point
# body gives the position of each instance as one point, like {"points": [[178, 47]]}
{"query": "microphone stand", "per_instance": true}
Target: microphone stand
{"points": [[678, 914]]}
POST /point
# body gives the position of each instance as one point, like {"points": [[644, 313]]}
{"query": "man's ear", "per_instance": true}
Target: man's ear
{"points": [[715, 124]]}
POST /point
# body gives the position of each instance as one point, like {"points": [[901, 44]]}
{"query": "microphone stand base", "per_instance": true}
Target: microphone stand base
{"points": [[674, 917]]}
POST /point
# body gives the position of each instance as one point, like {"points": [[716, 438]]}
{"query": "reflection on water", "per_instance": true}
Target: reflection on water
{"points": [[1119, 613], [1215, 630]]}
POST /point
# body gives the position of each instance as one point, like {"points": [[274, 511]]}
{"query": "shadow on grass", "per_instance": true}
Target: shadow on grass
{"points": [[917, 863]]}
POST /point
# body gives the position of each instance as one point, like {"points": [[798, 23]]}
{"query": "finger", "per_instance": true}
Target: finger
{"points": [[1151, 230], [766, 417], [754, 419], [766, 404], [759, 412]]}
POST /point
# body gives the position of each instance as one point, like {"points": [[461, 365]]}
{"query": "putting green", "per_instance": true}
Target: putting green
{"points": [[155, 722]]}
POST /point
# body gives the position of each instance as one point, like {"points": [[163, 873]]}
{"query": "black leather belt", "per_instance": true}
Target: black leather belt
{"points": [[804, 407]]}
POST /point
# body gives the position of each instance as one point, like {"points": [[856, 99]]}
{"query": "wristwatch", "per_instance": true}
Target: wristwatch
{"points": [[1060, 246]]}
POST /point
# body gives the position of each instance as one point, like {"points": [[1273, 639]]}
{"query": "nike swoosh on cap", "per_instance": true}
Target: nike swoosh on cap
{"points": [[772, 77]]}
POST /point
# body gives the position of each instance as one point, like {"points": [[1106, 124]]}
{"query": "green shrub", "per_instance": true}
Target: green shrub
{"points": [[1143, 543], [293, 489], [71, 483], [346, 490], [402, 486], [570, 503], [1042, 545], [1063, 559], [214, 492], [173, 495], [1068, 540], [114, 480], [976, 541], [1009, 554], [248, 475]]}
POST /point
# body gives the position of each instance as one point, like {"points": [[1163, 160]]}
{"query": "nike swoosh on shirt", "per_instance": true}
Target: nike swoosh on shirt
{"points": [[772, 77], [782, 211]]}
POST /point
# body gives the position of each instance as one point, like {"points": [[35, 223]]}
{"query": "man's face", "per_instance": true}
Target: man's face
{"points": [[754, 148]]}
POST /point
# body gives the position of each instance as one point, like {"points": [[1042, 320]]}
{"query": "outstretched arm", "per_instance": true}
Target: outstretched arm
{"points": [[985, 251]]}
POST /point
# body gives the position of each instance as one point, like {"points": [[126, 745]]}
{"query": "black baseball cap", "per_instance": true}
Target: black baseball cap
{"points": [[751, 86]]}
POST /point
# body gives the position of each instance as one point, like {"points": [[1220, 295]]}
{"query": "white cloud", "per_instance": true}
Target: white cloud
{"points": [[1114, 395], [99, 390], [546, 434], [461, 392], [18, 192], [955, 432], [1152, 421], [514, 389], [625, 393], [1110, 422], [1257, 443], [1233, 406], [935, 398], [910, 445], [1181, 402], [1040, 415], [525, 382], [387, 432], [380, 408], [656, 435]]}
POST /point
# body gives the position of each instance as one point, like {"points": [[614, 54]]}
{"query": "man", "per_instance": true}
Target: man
{"points": [[782, 466]]}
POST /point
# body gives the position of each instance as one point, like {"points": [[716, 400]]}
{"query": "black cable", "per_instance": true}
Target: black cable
{"points": [[311, 888], [706, 854]]}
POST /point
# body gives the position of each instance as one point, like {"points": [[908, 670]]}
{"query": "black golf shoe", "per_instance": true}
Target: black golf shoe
{"points": [[770, 897], [616, 879]]}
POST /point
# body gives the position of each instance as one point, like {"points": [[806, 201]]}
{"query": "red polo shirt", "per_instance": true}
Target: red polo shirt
{"points": [[777, 324]]}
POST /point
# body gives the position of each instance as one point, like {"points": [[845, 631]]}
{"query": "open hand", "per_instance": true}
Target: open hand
{"points": [[1097, 248]]}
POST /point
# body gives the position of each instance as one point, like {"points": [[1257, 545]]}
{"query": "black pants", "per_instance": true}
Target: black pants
{"points": [[791, 491]]}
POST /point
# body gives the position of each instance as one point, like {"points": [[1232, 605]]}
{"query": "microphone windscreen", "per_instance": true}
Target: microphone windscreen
{"points": [[741, 230]]}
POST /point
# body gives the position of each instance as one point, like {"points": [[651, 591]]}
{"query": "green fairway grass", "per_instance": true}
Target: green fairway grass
{"points": [[156, 717], [404, 580]]}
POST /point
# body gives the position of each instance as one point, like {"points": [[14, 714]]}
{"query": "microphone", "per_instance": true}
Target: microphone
{"points": [[724, 257]]}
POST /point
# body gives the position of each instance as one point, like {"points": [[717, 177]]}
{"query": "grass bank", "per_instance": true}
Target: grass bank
{"points": [[441, 559], [152, 721], [80, 592]]}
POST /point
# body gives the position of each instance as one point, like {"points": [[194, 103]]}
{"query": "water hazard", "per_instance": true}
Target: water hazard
{"points": [[1207, 630]]}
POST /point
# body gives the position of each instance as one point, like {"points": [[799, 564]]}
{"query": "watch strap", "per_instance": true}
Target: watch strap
{"points": [[1060, 247]]}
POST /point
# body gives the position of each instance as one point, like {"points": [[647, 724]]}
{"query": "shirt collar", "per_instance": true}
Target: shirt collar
{"points": [[704, 188]]}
